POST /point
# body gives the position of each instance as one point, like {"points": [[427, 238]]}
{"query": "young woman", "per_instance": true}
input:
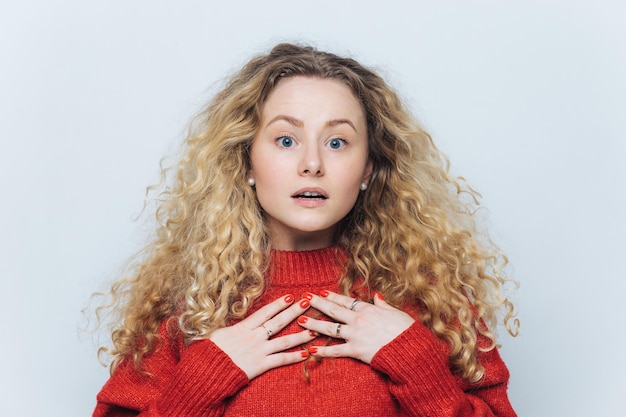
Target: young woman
{"points": [[313, 257]]}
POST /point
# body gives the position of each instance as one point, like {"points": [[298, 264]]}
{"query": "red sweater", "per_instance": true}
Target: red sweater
{"points": [[410, 376]]}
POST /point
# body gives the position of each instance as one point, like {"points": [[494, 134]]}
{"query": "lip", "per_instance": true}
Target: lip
{"points": [[310, 202], [317, 190]]}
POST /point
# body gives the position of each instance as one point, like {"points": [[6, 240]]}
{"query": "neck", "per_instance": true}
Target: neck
{"points": [[303, 241]]}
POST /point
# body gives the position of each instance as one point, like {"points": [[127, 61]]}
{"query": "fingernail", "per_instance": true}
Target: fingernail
{"points": [[313, 350], [307, 296], [302, 319], [324, 293], [289, 298], [304, 354], [305, 303], [380, 296], [312, 333]]}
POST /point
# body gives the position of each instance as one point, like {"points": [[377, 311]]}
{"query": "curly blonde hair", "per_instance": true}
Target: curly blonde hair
{"points": [[412, 236]]}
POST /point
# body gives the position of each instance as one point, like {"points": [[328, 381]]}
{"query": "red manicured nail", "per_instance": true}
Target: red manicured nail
{"points": [[302, 319], [313, 350], [324, 293], [289, 298], [307, 296], [380, 296], [305, 303], [304, 354], [312, 333]]}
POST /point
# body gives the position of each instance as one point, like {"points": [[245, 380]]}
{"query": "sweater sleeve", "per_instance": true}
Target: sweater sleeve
{"points": [[420, 379], [199, 383]]}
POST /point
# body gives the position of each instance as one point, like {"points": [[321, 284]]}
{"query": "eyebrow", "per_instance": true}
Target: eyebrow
{"points": [[299, 123], [335, 122]]}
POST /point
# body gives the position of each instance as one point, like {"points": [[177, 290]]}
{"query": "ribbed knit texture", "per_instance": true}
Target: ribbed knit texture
{"points": [[407, 377]]}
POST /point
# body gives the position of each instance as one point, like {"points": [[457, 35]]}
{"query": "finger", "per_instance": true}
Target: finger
{"points": [[328, 328], [379, 301], [342, 350], [268, 311], [339, 299], [283, 343], [337, 312], [283, 318], [356, 304], [284, 358]]}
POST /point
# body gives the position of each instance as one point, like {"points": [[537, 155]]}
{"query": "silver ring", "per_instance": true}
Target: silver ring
{"points": [[354, 303], [268, 331], [338, 331]]}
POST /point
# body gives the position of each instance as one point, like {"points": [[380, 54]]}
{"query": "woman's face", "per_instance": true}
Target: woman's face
{"points": [[308, 160]]}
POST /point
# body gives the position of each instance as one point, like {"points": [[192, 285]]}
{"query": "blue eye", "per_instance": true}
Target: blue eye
{"points": [[285, 142], [336, 143]]}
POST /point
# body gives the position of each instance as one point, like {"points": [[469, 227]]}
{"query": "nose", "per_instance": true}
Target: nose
{"points": [[311, 162]]}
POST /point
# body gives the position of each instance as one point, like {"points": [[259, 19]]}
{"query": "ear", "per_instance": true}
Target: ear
{"points": [[369, 169]]}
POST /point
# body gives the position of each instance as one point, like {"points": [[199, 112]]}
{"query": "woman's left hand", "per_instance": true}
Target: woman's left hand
{"points": [[365, 327]]}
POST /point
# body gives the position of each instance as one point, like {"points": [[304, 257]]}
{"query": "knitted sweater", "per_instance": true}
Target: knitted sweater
{"points": [[410, 376]]}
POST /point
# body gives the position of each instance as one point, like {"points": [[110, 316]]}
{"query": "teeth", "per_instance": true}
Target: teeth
{"points": [[311, 194]]}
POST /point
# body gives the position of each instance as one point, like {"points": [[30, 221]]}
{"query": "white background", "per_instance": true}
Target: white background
{"points": [[528, 99]]}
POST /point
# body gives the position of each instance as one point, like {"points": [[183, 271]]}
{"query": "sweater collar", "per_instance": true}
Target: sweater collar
{"points": [[312, 267]]}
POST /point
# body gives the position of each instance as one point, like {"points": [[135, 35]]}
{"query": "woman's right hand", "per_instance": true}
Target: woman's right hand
{"points": [[250, 345]]}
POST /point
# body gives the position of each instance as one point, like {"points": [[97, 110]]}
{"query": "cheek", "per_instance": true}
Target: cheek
{"points": [[349, 190], [271, 175], [264, 166], [352, 185], [264, 189], [352, 196], [270, 184], [353, 174]]}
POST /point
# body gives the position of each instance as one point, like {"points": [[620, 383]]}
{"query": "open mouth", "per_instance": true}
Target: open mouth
{"points": [[310, 195]]}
